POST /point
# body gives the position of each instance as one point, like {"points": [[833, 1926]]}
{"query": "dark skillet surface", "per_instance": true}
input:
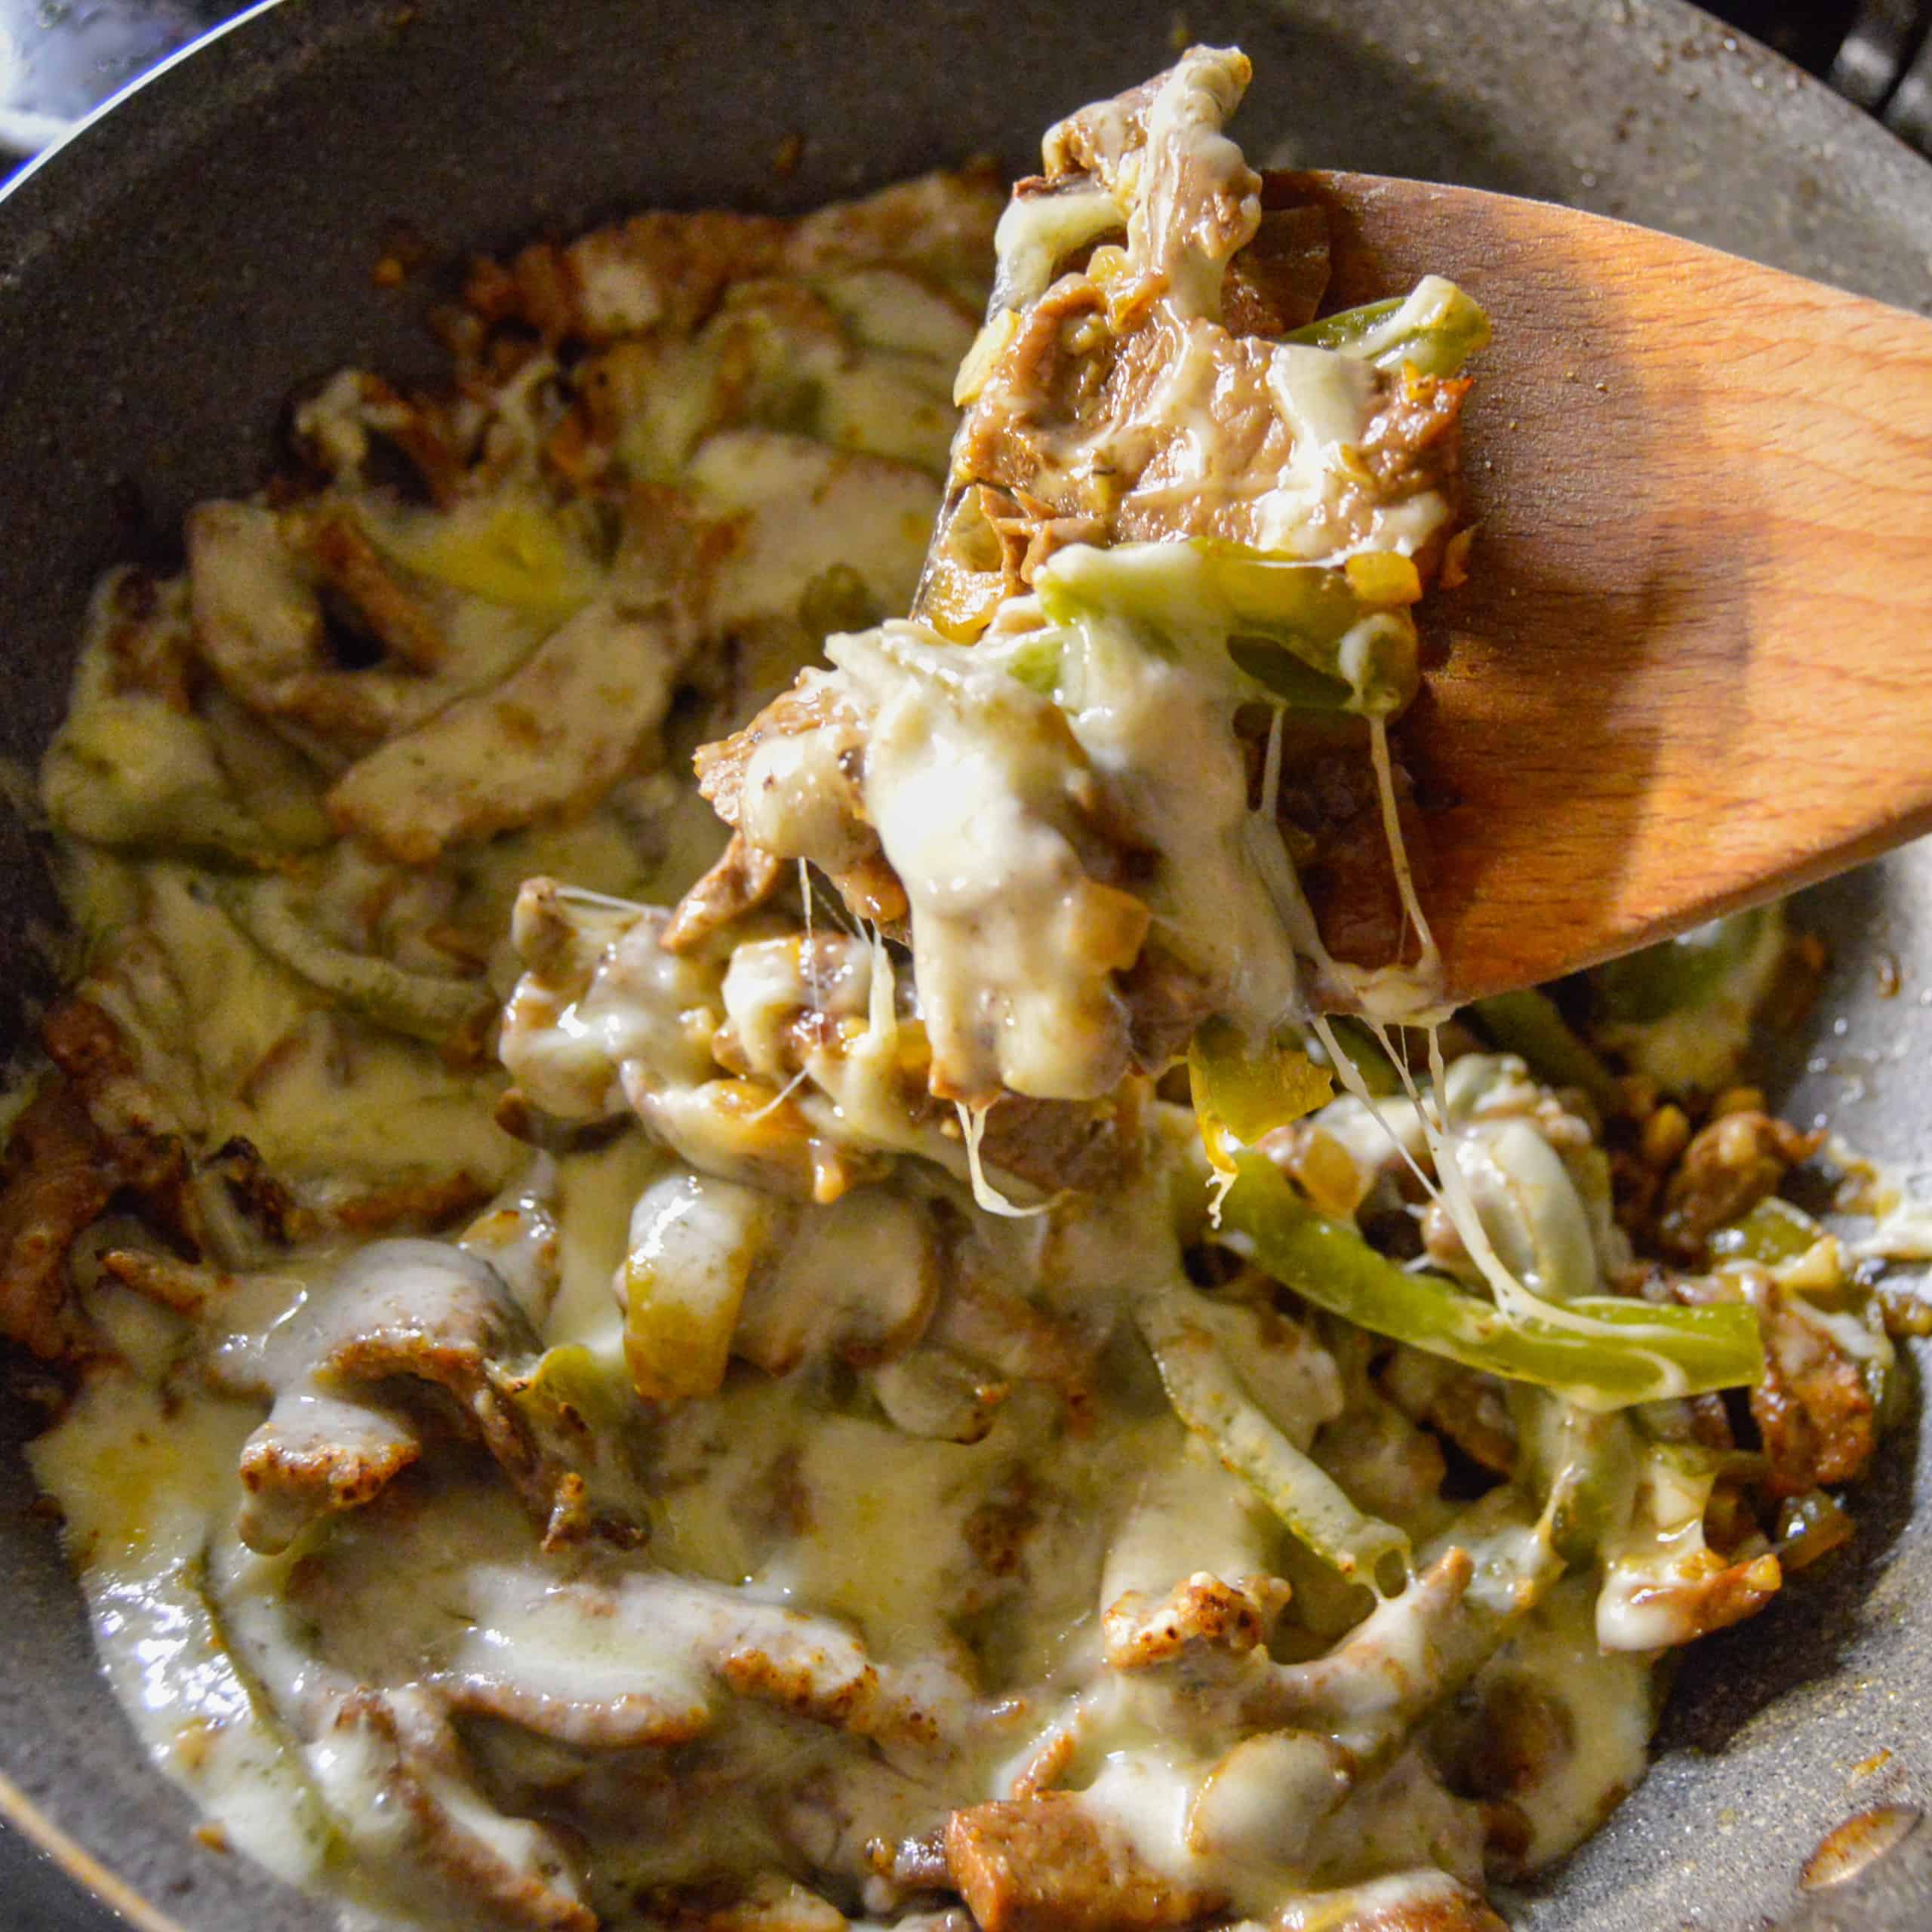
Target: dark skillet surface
{"points": [[169, 275]]}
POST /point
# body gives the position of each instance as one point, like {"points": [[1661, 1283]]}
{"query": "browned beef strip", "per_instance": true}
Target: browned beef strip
{"points": [[1460, 1910], [60, 1174], [1201, 1613], [1276, 283], [747, 875], [1730, 1166], [1814, 1408], [1046, 1864], [1329, 797], [744, 877], [1090, 1147], [405, 1734], [94, 1132], [349, 564], [404, 1312]]}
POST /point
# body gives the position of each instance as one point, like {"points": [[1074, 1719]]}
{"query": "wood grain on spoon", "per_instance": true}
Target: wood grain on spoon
{"points": [[1692, 667]]}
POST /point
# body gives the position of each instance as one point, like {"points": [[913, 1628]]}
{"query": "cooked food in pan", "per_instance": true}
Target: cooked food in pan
{"points": [[704, 1254]]}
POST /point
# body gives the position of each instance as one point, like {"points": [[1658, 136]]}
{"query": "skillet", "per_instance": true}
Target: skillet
{"points": [[188, 260]]}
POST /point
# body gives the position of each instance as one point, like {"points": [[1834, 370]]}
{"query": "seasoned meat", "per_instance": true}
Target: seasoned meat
{"points": [[1046, 1864], [1715, 1596], [1515, 1736], [744, 877], [60, 1174], [1332, 1692], [852, 1248], [398, 1312], [992, 1325], [1165, 1000], [411, 1207], [630, 1720], [553, 736], [502, 1874], [668, 1646], [316, 1456], [260, 623], [1199, 1614], [1451, 1909], [1276, 283], [1061, 383], [1814, 1408], [1090, 1147], [814, 704], [88, 1046], [1730, 1166], [347, 563], [1329, 798], [1111, 399], [94, 1133], [186, 1286], [669, 270], [788, 786]]}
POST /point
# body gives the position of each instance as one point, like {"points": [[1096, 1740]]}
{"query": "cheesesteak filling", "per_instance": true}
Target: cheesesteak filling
{"points": [[852, 1365]]}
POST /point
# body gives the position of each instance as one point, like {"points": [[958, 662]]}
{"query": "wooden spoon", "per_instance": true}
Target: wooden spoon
{"points": [[1692, 667]]}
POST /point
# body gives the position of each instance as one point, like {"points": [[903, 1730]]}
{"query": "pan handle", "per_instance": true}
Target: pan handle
{"points": [[1884, 64], [1909, 112]]}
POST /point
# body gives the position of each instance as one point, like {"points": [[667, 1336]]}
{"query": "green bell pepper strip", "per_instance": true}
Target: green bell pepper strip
{"points": [[1242, 1088], [1682, 973], [1583, 1462], [568, 1382], [1206, 1395], [1369, 651], [1036, 660], [1435, 328], [1602, 1351], [1283, 676], [130, 772], [1776, 1230], [377, 990], [1207, 592], [1528, 1024]]}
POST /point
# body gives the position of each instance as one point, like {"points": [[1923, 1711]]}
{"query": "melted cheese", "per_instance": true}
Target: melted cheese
{"points": [[859, 1607], [972, 781], [267, 1066], [143, 1492], [1609, 1699]]}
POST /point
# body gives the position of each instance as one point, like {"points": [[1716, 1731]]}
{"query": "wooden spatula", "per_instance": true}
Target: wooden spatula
{"points": [[1692, 666]]}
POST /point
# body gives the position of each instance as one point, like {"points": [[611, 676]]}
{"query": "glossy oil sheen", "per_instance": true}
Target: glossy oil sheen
{"points": [[183, 265]]}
